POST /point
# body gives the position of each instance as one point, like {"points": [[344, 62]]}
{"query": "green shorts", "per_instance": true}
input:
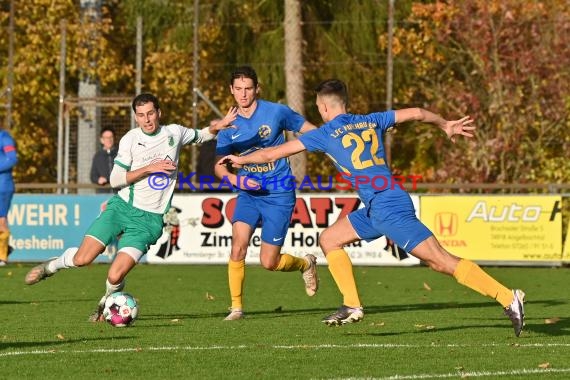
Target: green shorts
{"points": [[140, 229]]}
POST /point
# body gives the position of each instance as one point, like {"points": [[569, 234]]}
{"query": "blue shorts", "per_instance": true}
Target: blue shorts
{"points": [[270, 211], [390, 213], [5, 200]]}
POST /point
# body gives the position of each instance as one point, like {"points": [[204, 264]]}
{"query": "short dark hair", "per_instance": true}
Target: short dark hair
{"points": [[107, 129], [144, 98], [334, 87], [244, 72]]}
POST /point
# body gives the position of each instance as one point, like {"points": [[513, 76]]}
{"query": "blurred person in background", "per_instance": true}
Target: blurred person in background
{"points": [[102, 163], [8, 158]]}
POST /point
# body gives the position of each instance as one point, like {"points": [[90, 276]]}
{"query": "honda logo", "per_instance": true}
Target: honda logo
{"points": [[446, 224]]}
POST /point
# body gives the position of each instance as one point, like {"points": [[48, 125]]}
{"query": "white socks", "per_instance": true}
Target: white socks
{"points": [[113, 288], [110, 289], [64, 261]]}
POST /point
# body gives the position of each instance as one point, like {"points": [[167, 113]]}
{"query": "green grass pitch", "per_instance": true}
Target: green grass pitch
{"points": [[418, 325]]}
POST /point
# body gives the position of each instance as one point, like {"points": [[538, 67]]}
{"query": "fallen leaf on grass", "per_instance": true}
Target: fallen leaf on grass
{"points": [[175, 320], [426, 327], [551, 321], [210, 297], [60, 337], [544, 365], [426, 286]]}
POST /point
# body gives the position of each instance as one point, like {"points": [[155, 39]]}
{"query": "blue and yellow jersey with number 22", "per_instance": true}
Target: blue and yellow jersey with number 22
{"points": [[355, 145]]}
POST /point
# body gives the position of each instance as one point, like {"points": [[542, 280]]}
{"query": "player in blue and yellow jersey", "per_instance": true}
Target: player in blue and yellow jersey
{"points": [[354, 143], [261, 198], [146, 171], [8, 159]]}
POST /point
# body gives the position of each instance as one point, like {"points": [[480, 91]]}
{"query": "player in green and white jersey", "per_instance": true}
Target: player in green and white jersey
{"points": [[146, 170]]}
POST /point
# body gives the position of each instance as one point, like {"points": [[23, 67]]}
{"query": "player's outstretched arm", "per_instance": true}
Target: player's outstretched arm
{"points": [[306, 127], [451, 128], [121, 177], [243, 182], [219, 124], [209, 133], [460, 127], [266, 154], [221, 171]]}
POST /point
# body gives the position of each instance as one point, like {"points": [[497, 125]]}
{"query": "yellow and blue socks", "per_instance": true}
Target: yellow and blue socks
{"points": [[4, 239], [340, 267], [290, 263], [236, 276], [471, 275]]}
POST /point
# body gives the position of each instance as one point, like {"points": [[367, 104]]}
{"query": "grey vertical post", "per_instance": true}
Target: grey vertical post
{"points": [[295, 84], [138, 83], [66, 151], [89, 119], [10, 87], [61, 104], [389, 76], [195, 81]]}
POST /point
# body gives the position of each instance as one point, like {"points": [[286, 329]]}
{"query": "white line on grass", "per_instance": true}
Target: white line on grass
{"points": [[468, 374], [277, 347]]}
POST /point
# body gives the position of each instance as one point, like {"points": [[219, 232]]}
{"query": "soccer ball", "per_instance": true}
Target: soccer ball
{"points": [[121, 309]]}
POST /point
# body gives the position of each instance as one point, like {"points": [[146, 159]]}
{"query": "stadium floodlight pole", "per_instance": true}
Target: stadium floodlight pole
{"points": [[389, 76]]}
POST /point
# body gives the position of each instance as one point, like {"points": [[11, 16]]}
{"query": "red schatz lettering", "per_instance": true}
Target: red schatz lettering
{"points": [[212, 216], [322, 207], [230, 207], [212, 213], [301, 214], [347, 205]]}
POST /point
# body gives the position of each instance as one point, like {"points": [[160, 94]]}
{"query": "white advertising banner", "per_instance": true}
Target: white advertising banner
{"points": [[198, 230]]}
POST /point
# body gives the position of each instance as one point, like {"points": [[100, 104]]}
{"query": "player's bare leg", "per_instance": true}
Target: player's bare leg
{"points": [[89, 249]]}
